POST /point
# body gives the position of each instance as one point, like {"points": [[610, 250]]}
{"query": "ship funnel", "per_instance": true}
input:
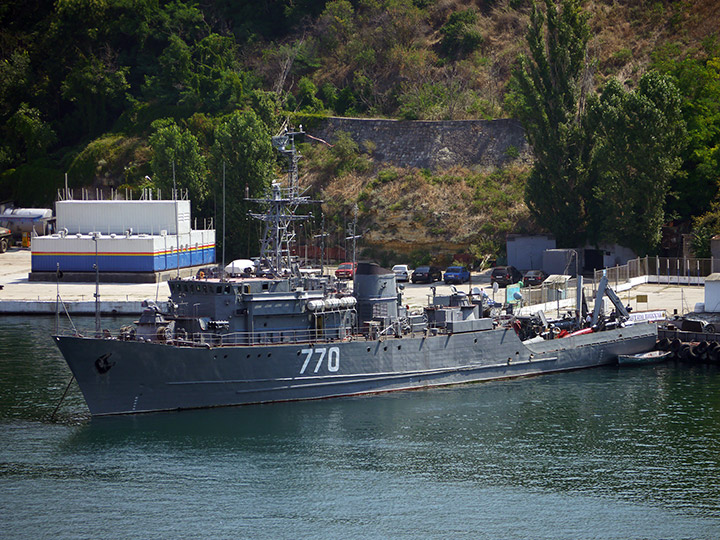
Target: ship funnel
{"points": [[376, 292]]}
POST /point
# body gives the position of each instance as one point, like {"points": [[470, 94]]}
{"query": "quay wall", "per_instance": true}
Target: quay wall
{"points": [[45, 307]]}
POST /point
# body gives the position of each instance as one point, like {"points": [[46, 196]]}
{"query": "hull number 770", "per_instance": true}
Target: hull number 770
{"points": [[318, 356]]}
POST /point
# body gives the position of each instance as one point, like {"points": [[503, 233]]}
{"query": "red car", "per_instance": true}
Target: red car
{"points": [[346, 270]]}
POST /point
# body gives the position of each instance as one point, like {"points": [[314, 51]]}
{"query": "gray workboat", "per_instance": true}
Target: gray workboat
{"points": [[280, 334]]}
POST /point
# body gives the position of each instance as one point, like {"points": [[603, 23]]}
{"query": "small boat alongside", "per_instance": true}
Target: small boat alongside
{"points": [[641, 359]]}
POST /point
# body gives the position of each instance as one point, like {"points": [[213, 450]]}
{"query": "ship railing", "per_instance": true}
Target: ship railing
{"points": [[269, 337]]}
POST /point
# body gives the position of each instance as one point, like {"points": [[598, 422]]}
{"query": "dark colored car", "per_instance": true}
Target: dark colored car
{"points": [[456, 274], [505, 275], [534, 277], [346, 270], [426, 274]]}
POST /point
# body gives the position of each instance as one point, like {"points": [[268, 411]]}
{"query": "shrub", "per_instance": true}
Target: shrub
{"points": [[460, 35]]}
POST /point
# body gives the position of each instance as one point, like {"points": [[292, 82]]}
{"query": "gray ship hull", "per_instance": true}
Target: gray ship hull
{"points": [[125, 377]]}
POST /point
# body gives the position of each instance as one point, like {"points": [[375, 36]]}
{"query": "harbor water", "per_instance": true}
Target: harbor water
{"points": [[606, 453]]}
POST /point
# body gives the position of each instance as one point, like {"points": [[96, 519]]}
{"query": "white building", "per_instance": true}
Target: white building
{"points": [[123, 236]]}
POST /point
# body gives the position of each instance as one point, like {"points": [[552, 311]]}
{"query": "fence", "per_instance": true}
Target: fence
{"points": [[561, 294], [680, 271]]}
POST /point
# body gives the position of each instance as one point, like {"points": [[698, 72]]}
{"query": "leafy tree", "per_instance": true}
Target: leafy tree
{"points": [[546, 98], [99, 93], [243, 151], [639, 136], [698, 80], [15, 82], [28, 134], [267, 106], [178, 149], [704, 228], [175, 72], [216, 82], [306, 98], [336, 23]]}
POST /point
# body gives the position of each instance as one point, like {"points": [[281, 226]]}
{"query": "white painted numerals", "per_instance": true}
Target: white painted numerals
{"points": [[332, 354]]}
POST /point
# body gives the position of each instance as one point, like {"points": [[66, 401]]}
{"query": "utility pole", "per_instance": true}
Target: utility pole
{"points": [[353, 236]]}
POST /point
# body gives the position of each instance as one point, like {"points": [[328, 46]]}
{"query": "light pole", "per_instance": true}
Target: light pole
{"points": [[578, 295], [95, 236]]}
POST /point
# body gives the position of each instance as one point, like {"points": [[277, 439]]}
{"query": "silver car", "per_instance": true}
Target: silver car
{"points": [[402, 272]]}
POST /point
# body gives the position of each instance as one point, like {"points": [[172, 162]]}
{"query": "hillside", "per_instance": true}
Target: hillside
{"points": [[86, 87]]}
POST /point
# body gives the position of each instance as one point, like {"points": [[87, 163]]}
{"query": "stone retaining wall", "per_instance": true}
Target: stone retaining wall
{"points": [[479, 144]]}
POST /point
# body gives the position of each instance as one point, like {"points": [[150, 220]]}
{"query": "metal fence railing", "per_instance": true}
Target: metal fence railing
{"points": [[680, 270], [670, 270]]}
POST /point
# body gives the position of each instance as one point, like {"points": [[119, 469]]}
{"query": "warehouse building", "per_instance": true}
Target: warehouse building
{"points": [[130, 241]]}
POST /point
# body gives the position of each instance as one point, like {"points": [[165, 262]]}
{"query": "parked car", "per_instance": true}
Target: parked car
{"points": [[426, 274], [505, 275], [456, 274], [346, 270], [534, 277], [402, 272], [5, 239]]}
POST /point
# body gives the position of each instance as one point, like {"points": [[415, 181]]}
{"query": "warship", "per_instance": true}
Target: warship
{"points": [[278, 333]]}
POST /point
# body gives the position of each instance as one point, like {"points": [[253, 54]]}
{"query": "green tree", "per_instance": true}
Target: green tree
{"points": [[267, 106], [704, 228], [29, 136], [175, 72], [243, 150], [545, 97], [699, 82], [217, 81], [99, 93], [306, 98], [638, 139], [177, 148]]}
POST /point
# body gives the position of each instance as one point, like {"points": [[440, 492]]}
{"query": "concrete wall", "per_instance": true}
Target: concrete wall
{"points": [[483, 144], [106, 217], [560, 261], [712, 293], [526, 252]]}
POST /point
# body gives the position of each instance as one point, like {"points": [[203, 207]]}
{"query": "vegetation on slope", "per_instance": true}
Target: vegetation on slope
{"points": [[114, 91]]}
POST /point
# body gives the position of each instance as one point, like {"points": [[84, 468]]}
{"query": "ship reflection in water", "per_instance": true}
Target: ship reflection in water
{"points": [[604, 453]]}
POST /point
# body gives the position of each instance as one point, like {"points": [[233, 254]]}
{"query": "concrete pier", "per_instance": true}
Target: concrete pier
{"points": [[21, 296]]}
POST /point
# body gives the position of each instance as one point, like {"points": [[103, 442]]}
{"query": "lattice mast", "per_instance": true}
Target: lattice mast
{"points": [[280, 215]]}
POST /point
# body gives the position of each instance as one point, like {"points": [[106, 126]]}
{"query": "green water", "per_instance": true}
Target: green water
{"points": [[599, 454]]}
